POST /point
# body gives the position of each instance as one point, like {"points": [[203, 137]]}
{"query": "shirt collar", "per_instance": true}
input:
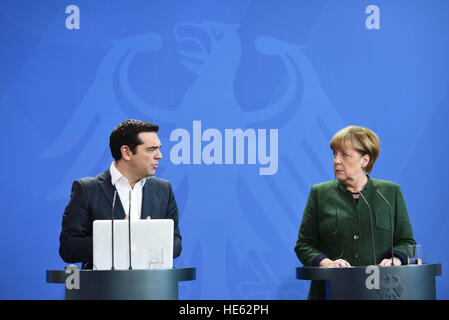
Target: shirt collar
{"points": [[116, 175]]}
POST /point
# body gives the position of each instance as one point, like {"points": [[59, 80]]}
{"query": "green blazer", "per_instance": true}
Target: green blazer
{"points": [[334, 226]]}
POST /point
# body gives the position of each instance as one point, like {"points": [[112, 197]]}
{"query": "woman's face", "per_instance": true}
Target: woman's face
{"points": [[349, 164]]}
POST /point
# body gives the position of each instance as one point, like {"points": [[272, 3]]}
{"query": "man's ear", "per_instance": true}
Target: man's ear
{"points": [[126, 152]]}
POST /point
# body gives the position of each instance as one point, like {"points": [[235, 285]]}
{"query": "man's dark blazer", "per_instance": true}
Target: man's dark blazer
{"points": [[91, 199]]}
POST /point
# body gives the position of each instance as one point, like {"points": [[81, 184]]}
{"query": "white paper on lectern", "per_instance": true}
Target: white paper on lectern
{"points": [[151, 244]]}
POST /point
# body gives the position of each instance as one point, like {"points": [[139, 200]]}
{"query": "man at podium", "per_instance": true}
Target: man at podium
{"points": [[346, 221], [135, 148]]}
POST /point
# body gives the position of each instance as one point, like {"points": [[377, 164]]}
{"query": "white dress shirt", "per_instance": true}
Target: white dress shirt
{"points": [[123, 188]]}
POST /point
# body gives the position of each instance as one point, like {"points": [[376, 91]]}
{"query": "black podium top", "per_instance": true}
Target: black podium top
{"points": [[177, 274], [409, 282], [121, 284]]}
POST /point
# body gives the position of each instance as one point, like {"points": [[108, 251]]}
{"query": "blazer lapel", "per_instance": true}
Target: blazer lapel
{"points": [[149, 200], [108, 191]]}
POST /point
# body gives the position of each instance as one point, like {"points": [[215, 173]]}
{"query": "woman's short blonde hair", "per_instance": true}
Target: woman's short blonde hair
{"points": [[362, 139]]}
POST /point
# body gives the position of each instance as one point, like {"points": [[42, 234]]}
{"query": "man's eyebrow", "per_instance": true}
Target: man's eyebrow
{"points": [[154, 147]]}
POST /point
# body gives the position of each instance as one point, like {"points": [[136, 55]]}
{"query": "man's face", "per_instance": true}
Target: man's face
{"points": [[144, 161]]}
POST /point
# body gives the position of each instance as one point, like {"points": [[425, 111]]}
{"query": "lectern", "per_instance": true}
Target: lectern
{"points": [[160, 284], [410, 282]]}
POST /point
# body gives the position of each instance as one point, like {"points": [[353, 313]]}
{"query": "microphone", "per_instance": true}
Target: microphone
{"points": [[371, 226], [391, 224], [112, 229], [129, 229]]}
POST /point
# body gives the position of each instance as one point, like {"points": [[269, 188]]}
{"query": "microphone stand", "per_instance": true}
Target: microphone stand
{"points": [[371, 225], [391, 224], [129, 230], [112, 229]]}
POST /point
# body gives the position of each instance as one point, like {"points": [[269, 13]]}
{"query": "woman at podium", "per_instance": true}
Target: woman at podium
{"points": [[346, 221]]}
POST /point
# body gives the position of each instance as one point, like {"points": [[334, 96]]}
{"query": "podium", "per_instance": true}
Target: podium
{"points": [[409, 282], [161, 284]]}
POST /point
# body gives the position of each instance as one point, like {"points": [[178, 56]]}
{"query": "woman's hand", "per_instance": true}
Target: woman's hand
{"points": [[387, 262], [328, 263]]}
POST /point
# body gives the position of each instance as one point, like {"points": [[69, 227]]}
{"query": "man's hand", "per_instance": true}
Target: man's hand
{"points": [[328, 263]]}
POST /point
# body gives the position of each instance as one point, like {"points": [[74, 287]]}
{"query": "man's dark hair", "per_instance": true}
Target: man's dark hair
{"points": [[126, 133]]}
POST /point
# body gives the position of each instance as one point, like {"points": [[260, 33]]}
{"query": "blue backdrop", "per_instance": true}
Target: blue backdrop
{"points": [[289, 74]]}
